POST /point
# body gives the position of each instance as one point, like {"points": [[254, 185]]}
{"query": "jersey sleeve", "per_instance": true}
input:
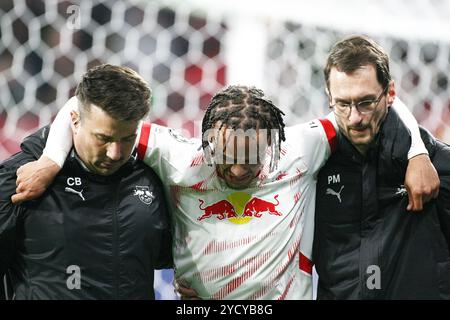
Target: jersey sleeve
{"points": [[417, 145], [59, 140], [166, 151], [313, 141]]}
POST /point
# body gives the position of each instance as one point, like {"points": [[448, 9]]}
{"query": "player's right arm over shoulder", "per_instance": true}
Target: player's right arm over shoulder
{"points": [[34, 177]]}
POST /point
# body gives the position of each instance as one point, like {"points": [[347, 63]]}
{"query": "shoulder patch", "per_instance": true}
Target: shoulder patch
{"points": [[313, 124], [179, 137], [144, 194]]}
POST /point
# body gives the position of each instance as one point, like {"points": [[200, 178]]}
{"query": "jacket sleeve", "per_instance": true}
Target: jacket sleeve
{"points": [[34, 144], [32, 147], [163, 258], [440, 156], [9, 213], [441, 161]]}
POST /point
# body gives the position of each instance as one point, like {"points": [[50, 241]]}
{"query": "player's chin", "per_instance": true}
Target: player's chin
{"points": [[242, 184], [237, 186]]}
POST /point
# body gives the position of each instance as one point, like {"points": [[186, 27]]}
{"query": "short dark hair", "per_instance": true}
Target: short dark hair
{"points": [[117, 90], [354, 52]]}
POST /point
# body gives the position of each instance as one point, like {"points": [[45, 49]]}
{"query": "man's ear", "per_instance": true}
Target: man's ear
{"points": [[391, 93], [327, 92], [75, 116]]}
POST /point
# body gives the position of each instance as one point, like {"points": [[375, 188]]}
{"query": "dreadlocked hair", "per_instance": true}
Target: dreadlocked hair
{"points": [[243, 107]]}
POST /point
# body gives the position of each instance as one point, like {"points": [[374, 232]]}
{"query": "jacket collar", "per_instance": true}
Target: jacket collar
{"points": [[393, 140], [347, 149]]}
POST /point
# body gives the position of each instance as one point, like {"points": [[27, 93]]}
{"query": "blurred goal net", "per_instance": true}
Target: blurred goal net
{"points": [[187, 50], [46, 46]]}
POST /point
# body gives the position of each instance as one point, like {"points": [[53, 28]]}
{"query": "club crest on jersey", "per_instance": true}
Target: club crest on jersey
{"points": [[144, 194], [178, 136]]}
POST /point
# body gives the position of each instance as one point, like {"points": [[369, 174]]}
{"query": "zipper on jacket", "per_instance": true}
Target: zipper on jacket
{"points": [[115, 208]]}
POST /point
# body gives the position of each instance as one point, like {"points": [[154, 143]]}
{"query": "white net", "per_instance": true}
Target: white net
{"points": [[187, 50], [282, 47], [296, 56], [46, 46]]}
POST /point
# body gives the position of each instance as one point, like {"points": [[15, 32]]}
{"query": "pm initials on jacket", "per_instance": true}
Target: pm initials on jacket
{"points": [[334, 191]]}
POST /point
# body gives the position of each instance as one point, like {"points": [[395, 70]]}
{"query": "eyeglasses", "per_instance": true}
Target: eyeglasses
{"points": [[364, 107]]}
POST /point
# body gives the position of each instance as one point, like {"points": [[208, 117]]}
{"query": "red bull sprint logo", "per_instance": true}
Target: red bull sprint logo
{"points": [[239, 208]]}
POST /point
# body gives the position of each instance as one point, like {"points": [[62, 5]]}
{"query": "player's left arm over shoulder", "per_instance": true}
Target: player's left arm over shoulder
{"points": [[28, 184], [421, 180]]}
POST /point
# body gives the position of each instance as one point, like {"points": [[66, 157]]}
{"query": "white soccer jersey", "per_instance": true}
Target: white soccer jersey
{"points": [[254, 243]]}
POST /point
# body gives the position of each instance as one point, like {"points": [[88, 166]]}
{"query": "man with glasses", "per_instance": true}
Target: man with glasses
{"points": [[366, 244]]}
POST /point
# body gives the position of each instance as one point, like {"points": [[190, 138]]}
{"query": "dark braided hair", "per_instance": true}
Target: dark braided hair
{"points": [[243, 107]]}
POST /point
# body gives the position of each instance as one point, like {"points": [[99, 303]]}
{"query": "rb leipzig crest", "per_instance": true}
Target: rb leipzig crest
{"points": [[144, 194]]}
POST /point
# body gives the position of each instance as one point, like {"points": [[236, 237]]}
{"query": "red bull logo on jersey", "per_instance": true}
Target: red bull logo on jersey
{"points": [[220, 209], [256, 207], [239, 208]]}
